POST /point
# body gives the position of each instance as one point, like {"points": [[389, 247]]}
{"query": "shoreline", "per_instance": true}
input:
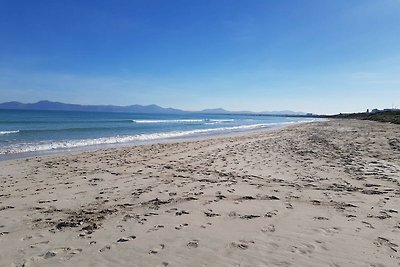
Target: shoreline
{"points": [[312, 194], [92, 148]]}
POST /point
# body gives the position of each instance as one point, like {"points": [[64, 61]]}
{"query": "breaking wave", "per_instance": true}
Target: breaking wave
{"points": [[70, 144], [184, 121], [8, 132]]}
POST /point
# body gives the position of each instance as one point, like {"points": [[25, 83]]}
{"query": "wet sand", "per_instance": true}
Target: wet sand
{"points": [[315, 194]]}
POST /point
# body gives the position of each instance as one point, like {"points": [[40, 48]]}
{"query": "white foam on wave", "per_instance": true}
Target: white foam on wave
{"points": [[43, 146], [8, 132], [165, 121], [215, 121], [70, 144], [183, 121]]}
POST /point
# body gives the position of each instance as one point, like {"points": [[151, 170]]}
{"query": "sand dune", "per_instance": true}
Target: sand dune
{"points": [[316, 194]]}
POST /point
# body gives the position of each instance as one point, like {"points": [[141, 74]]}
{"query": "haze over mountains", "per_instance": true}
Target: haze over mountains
{"points": [[148, 109]]}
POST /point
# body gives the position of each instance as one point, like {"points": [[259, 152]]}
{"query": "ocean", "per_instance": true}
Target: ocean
{"points": [[26, 133]]}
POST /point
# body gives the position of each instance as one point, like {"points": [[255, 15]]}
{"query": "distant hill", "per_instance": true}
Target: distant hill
{"points": [[215, 111], [392, 116], [48, 105], [149, 109]]}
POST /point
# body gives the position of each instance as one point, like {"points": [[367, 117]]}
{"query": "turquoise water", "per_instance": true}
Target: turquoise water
{"points": [[27, 132]]}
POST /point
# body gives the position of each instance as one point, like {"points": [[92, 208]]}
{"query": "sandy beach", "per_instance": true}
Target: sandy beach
{"points": [[314, 194]]}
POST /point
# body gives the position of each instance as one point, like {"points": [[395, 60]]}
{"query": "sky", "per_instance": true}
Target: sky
{"points": [[317, 56]]}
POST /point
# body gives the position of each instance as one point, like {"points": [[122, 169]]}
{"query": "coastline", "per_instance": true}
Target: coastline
{"points": [[311, 194], [66, 151]]}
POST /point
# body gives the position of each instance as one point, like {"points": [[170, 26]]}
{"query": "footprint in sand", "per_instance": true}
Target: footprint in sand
{"points": [[381, 241], [4, 233], [155, 228], [65, 252], [321, 218], [163, 264], [241, 244], [157, 249], [307, 249], [193, 243], [268, 228], [126, 239], [179, 227], [328, 231], [49, 254], [210, 213], [304, 249], [34, 245], [108, 247], [35, 236], [368, 225], [182, 212]]}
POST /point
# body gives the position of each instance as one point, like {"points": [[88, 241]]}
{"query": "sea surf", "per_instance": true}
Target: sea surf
{"points": [[24, 133]]}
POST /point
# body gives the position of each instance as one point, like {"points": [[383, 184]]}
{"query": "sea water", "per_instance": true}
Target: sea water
{"points": [[24, 133]]}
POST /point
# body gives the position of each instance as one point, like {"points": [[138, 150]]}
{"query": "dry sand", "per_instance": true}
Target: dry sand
{"points": [[317, 194]]}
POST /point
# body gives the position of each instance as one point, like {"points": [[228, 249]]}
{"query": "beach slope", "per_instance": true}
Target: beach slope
{"points": [[315, 194]]}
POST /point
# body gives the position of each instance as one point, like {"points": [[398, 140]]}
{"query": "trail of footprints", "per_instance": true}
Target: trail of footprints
{"points": [[216, 179]]}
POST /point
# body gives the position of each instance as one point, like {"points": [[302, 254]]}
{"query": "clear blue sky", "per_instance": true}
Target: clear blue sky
{"points": [[318, 56]]}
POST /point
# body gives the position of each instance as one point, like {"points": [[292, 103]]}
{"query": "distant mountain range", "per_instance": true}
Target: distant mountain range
{"points": [[48, 105], [149, 109]]}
